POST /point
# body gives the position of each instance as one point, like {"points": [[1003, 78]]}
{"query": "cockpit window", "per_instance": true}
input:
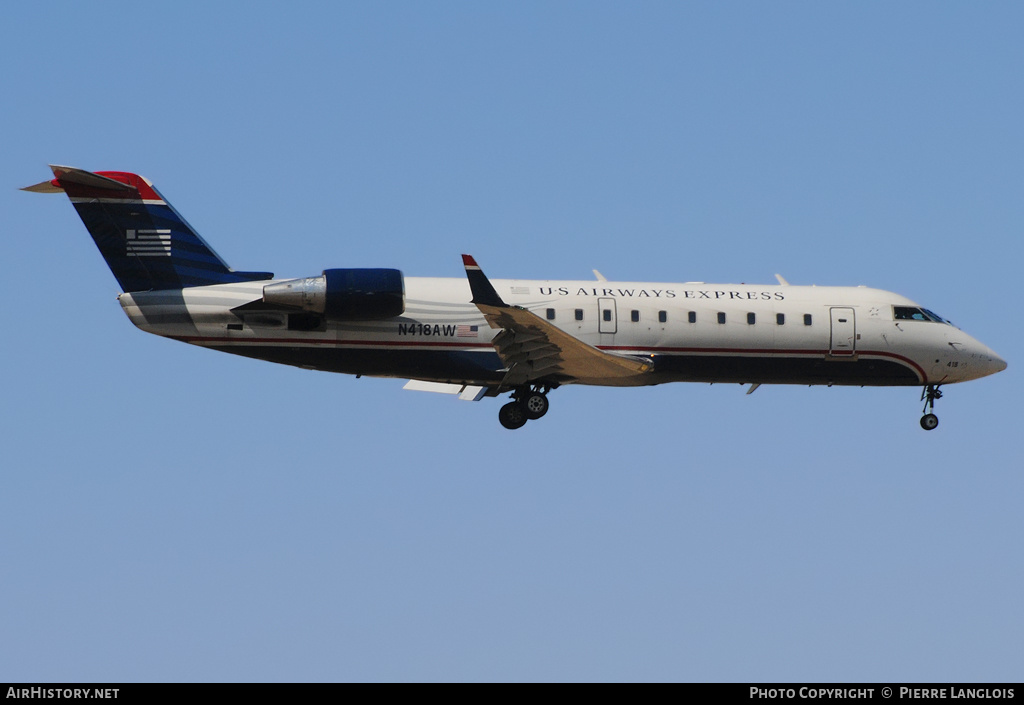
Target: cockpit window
{"points": [[935, 317], [912, 313], [908, 313]]}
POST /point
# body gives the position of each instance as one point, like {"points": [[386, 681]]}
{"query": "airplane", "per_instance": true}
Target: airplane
{"points": [[477, 337]]}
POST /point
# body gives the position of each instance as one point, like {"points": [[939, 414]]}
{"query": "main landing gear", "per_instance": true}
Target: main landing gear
{"points": [[929, 394], [528, 403]]}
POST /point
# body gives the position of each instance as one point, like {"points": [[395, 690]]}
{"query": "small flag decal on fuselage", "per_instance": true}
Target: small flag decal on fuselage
{"points": [[148, 243], [520, 290], [466, 331]]}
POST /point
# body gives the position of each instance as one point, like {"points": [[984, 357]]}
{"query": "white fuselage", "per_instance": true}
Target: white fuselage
{"points": [[692, 331]]}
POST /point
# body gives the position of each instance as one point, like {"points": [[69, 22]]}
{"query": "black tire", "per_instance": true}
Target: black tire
{"points": [[512, 416], [929, 422], [535, 405]]}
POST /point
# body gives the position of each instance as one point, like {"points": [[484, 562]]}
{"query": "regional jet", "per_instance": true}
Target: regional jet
{"points": [[476, 337]]}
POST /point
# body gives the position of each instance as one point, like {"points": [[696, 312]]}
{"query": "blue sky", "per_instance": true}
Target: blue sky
{"points": [[169, 513]]}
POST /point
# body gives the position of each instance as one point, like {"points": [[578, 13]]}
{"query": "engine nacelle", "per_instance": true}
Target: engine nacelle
{"points": [[343, 294]]}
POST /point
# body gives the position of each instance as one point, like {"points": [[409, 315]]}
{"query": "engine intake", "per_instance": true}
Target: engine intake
{"points": [[343, 294]]}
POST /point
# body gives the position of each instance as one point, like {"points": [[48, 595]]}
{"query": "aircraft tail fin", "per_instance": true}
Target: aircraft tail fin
{"points": [[145, 242]]}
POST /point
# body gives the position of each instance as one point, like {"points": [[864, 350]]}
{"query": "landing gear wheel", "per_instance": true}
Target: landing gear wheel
{"points": [[930, 394], [512, 416], [535, 405]]}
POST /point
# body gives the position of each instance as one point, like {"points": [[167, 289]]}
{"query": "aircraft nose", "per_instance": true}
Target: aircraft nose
{"points": [[990, 362], [998, 363], [978, 360]]}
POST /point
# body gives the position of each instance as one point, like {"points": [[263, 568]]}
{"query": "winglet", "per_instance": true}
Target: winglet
{"points": [[483, 292]]}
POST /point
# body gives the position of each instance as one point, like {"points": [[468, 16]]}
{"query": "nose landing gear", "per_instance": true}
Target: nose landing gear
{"points": [[528, 403], [929, 394]]}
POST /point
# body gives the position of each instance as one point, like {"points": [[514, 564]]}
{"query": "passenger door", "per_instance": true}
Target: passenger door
{"points": [[844, 333], [606, 316]]}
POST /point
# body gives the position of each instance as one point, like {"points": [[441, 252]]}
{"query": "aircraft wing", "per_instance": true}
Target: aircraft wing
{"points": [[534, 349]]}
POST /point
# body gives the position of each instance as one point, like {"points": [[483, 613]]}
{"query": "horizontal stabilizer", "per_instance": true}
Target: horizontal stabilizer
{"points": [[65, 175], [70, 175], [44, 187]]}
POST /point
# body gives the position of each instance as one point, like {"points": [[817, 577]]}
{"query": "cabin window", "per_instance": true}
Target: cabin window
{"points": [[751, 318], [634, 316], [579, 314], [607, 314], [551, 314], [692, 318], [662, 316], [721, 317], [807, 319], [780, 319]]}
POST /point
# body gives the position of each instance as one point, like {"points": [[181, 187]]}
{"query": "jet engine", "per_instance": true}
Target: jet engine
{"points": [[343, 294]]}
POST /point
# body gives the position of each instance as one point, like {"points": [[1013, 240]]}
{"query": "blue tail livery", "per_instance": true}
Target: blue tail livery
{"points": [[146, 243]]}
